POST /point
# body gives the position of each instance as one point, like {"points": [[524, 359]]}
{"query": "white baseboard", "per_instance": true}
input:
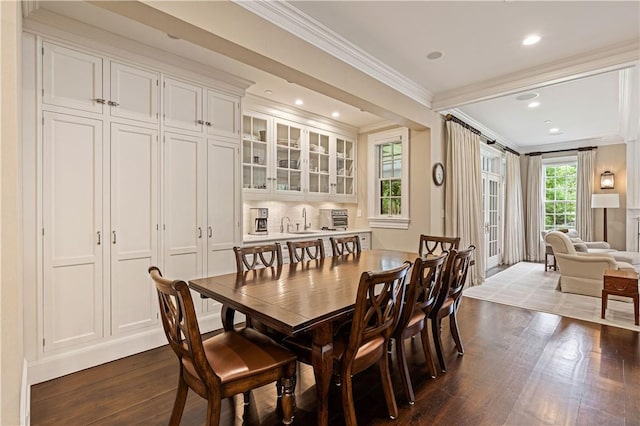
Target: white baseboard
{"points": [[25, 395], [58, 365]]}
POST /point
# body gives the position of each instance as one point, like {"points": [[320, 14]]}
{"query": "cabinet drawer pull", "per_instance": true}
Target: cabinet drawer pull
{"points": [[113, 103], [210, 232], [100, 101], [99, 238], [208, 123], [200, 122], [114, 236], [199, 232]]}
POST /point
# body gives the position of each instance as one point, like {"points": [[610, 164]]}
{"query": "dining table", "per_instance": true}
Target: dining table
{"points": [[303, 297]]}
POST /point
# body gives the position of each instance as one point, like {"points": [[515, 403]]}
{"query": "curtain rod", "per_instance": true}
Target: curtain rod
{"points": [[586, 148], [489, 141]]}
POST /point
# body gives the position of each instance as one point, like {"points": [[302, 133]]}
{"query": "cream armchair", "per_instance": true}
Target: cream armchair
{"points": [[581, 273]]}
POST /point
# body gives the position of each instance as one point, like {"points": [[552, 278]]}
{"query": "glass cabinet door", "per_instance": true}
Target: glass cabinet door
{"points": [[318, 163], [288, 158], [345, 164], [254, 153]]}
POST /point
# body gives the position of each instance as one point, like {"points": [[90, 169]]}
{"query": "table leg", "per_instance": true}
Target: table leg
{"points": [[227, 315], [636, 309], [605, 297], [322, 360]]}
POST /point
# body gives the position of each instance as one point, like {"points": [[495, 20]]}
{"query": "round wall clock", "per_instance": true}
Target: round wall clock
{"points": [[438, 174]]}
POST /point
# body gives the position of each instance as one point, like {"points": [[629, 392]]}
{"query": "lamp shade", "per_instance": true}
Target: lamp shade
{"points": [[605, 201]]}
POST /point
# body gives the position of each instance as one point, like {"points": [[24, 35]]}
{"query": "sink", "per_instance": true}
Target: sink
{"points": [[302, 232]]}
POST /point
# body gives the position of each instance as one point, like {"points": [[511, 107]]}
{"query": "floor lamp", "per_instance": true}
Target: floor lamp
{"points": [[605, 201]]}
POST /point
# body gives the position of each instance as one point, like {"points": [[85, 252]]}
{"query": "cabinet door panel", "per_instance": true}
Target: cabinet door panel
{"points": [[135, 91], [134, 241], [222, 114], [71, 78], [182, 105], [184, 193], [73, 235], [222, 199]]}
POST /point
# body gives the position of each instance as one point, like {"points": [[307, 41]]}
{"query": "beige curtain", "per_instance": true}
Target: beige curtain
{"points": [[584, 213], [514, 245], [534, 209], [463, 194]]}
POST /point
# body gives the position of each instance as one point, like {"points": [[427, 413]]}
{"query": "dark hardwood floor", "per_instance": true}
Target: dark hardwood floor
{"points": [[520, 368]]}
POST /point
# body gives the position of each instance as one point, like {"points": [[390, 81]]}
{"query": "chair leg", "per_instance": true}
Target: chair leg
{"points": [[288, 400], [213, 411], [426, 348], [387, 387], [401, 355], [437, 341], [455, 332], [247, 397], [178, 405], [348, 408]]}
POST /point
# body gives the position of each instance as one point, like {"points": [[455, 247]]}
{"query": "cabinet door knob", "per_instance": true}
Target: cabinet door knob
{"points": [[208, 123], [99, 237], [113, 103], [100, 101], [200, 122]]}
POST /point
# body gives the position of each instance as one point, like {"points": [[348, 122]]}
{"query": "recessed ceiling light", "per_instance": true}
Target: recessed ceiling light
{"points": [[554, 130], [299, 102], [527, 96], [268, 92], [434, 55], [547, 121], [534, 104], [335, 114], [531, 39]]}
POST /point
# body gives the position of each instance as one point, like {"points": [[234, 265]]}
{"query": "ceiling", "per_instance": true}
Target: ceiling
{"points": [[484, 66]]}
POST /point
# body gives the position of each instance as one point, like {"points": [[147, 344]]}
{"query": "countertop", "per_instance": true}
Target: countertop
{"points": [[309, 234]]}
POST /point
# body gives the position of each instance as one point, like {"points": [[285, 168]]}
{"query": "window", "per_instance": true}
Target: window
{"points": [[560, 184], [389, 179]]}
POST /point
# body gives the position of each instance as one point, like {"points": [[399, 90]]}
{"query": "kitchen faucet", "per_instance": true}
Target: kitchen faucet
{"points": [[282, 223], [304, 216]]}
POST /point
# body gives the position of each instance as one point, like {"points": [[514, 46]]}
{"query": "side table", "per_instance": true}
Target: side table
{"points": [[620, 283], [548, 251]]}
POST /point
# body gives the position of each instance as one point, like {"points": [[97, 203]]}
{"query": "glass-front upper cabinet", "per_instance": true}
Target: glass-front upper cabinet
{"points": [[319, 171], [255, 155], [345, 166], [289, 144]]}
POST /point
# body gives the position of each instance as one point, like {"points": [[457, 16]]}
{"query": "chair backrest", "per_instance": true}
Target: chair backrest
{"points": [[423, 288], [345, 245], [301, 250], [455, 274], [559, 242], [181, 325], [253, 257], [432, 245], [378, 307]]}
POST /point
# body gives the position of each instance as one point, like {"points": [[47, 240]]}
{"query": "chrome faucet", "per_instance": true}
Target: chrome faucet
{"points": [[304, 216], [282, 223]]}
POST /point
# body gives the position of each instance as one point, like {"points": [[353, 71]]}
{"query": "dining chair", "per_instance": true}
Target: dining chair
{"points": [[377, 311], [420, 298], [302, 250], [224, 365], [448, 300], [433, 245], [345, 245]]}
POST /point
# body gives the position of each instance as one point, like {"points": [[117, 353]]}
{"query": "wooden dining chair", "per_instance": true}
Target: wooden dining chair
{"points": [[345, 245], [363, 344], [252, 257], [420, 298], [448, 300], [302, 250], [433, 245], [224, 365]]}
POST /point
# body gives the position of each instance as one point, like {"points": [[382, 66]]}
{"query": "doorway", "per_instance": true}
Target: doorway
{"points": [[492, 206]]}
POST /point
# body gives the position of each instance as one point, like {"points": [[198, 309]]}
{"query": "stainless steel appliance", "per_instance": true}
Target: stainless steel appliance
{"points": [[334, 219], [258, 221]]}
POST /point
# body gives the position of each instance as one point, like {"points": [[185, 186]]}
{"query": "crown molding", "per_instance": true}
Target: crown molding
{"points": [[616, 57], [29, 6], [292, 20], [575, 144]]}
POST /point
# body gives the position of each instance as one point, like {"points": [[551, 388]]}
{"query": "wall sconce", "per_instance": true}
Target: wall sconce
{"points": [[607, 180]]}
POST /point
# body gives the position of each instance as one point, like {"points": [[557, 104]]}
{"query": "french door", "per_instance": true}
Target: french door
{"points": [[492, 219]]}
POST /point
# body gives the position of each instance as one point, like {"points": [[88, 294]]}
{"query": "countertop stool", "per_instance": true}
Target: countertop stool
{"points": [[620, 283]]}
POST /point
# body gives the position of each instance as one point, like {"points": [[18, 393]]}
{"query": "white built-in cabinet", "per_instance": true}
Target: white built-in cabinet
{"points": [[285, 160], [128, 181]]}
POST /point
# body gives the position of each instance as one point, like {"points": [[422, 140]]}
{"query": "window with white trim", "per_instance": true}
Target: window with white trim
{"points": [[388, 167], [560, 188]]}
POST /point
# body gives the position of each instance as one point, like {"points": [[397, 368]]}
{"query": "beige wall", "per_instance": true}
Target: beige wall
{"points": [[11, 342], [614, 159], [426, 201]]}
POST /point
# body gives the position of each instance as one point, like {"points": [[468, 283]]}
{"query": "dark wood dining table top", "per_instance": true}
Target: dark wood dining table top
{"points": [[300, 296]]}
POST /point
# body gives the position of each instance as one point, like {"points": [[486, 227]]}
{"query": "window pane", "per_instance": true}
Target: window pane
{"points": [[395, 206], [384, 206], [396, 187], [384, 188]]}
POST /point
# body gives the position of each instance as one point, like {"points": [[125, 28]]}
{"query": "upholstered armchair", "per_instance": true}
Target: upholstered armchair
{"points": [[581, 272]]}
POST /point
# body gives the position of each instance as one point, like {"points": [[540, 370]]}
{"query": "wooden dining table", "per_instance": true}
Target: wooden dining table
{"points": [[302, 297]]}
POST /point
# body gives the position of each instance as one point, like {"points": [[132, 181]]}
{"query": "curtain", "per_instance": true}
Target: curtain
{"points": [[534, 208], [463, 194], [514, 245], [584, 213]]}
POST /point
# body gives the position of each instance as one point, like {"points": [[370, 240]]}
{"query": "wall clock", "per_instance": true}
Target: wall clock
{"points": [[438, 174]]}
